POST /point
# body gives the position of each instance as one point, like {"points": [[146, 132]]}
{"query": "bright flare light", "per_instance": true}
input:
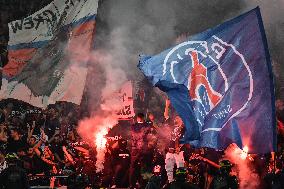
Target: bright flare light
{"points": [[101, 141], [244, 153]]}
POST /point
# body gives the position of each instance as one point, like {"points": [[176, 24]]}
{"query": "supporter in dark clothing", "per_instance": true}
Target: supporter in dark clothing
{"points": [[56, 148], [150, 119], [52, 123], [13, 177], [39, 122], [152, 124], [121, 164], [224, 179], [32, 141], [2, 116], [17, 122], [107, 178], [28, 164], [139, 103], [180, 181], [211, 171], [148, 159], [36, 121], [275, 180], [49, 161], [140, 123], [15, 142], [33, 163], [139, 132], [154, 183]]}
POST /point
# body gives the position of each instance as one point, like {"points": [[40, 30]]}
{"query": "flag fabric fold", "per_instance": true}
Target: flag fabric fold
{"points": [[220, 82], [48, 53]]}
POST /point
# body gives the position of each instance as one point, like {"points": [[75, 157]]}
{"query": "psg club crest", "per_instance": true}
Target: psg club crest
{"points": [[220, 82], [208, 79]]}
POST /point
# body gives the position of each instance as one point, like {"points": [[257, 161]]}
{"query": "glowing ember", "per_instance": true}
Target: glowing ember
{"points": [[94, 130], [247, 176], [100, 139], [245, 149], [244, 153]]}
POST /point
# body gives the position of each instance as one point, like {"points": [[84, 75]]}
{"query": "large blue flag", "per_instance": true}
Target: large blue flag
{"points": [[221, 84]]}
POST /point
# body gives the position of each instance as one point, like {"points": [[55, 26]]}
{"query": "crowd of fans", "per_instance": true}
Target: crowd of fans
{"points": [[42, 147], [42, 142]]}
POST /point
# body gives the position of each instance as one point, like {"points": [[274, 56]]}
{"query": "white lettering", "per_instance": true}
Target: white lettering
{"points": [[223, 113], [218, 49]]}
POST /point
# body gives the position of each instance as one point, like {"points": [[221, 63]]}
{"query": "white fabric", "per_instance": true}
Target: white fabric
{"points": [[171, 160], [27, 33]]}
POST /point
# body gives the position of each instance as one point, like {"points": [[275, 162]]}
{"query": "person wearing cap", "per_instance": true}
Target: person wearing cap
{"points": [[180, 181], [224, 178], [32, 141]]}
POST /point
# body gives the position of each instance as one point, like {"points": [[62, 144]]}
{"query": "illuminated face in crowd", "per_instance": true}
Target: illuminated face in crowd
{"points": [[30, 151], [139, 119], [151, 117], [52, 113], [32, 141], [57, 139], [71, 136], [14, 134], [21, 153]]}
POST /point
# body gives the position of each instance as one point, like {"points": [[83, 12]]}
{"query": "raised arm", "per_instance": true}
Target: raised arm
{"points": [[30, 130], [68, 155]]}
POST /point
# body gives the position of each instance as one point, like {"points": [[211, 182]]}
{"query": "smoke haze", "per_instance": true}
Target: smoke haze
{"points": [[127, 28], [248, 178], [132, 27]]}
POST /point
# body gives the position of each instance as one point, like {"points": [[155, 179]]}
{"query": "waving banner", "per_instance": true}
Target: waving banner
{"points": [[220, 82], [125, 94], [48, 52]]}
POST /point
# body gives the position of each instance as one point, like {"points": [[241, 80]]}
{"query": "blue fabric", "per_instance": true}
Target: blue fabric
{"points": [[220, 82]]}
